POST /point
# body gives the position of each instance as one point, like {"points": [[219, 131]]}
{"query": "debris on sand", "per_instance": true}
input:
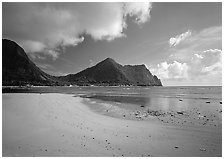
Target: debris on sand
{"points": [[141, 115], [154, 113], [180, 113], [176, 147], [202, 149], [137, 113], [200, 116]]}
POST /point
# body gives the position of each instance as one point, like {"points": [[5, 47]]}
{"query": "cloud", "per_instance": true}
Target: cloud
{"points": [[199, 56], [179, 38], [140, 10], [42, 27], [174, 70], [208, 62], [205, 39], [204, 68], [91, 63], [213, 51], [198, 41], [43, 54], [52, 53], [201, 52], [33, 46], [39, 50], [45, 66], [50, 69]]}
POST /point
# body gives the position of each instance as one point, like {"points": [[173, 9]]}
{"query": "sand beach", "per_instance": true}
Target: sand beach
{"points": [[54, 124]]}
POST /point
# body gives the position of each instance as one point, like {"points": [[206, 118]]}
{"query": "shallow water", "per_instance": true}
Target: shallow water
{"points": [[176, 105], [164, 98]]}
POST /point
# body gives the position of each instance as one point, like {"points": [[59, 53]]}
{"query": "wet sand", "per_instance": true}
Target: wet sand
{"points": [[63, 125], [177, 111]]}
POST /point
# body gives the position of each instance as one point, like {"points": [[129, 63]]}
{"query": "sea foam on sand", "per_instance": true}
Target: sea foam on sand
{"points": [[61, 125]]}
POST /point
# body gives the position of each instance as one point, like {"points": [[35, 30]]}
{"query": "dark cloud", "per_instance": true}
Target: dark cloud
{"points": [[42, 27]]}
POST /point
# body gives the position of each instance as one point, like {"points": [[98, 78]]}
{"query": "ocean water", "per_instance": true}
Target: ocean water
{"points": [[200, 106], [196, 105], [167, 98], [146, 96], [197, 92]]}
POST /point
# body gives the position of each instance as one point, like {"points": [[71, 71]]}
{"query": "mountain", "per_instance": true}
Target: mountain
{"points": [[109, 72], [18, 69]]}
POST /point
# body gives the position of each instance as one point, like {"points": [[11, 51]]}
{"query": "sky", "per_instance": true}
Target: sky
{"points": [[181, 43]]}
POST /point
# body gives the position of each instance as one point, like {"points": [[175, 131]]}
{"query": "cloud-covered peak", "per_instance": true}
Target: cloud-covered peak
{"points": [[42, 27]]}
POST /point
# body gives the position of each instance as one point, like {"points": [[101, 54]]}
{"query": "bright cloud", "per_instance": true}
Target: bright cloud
{"points": [[199, 56], [174, 70], [204, 67], [42, 27], [197, 42], [213, 51], [140, 10], [210, 63], [179, 38]]}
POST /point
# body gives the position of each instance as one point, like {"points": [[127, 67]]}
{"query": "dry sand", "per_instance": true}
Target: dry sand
{"points": [[61, 125]]}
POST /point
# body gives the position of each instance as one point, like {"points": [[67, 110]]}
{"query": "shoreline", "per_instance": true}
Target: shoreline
{"points": [[136, 108], [55, 124]]}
